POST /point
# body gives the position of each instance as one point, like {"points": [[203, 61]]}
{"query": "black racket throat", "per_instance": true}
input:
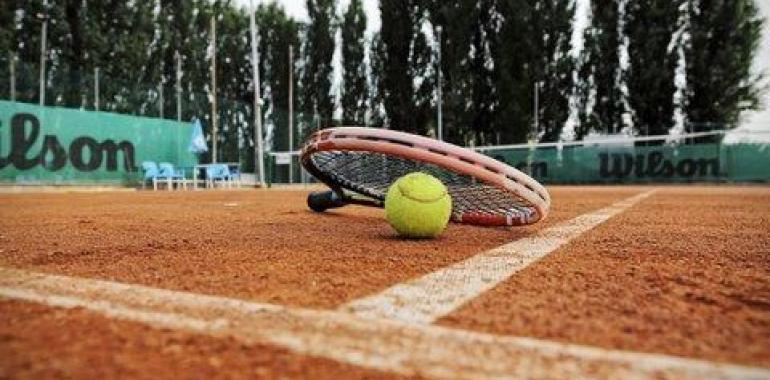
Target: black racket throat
{"points": [[320, 201]]}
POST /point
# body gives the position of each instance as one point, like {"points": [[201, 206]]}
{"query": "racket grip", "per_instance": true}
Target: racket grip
{"points": [[320, 201]]}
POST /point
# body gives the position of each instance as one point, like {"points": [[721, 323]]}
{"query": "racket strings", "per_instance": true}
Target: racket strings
{"points": [[372, 174]]}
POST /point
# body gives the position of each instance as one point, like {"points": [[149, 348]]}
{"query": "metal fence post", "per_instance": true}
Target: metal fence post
{"points": [[43, 37], [214, 121], [291, 116], [96, 88], [13, 77], [178, 87], [259, 149], [160, 97], [438, 90]]}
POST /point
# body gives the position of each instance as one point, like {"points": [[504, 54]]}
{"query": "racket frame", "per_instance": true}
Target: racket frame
{"points": [[423, 149]]}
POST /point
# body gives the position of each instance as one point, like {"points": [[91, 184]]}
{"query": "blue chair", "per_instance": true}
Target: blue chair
{"points": [[217, 173], [170, 174], [150, 173], [235, 175]]}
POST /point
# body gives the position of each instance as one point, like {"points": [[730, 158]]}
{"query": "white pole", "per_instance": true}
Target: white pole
{"points": [[96, 88], [440, 124], [291, 113], [178, 87], [302, 173], [160, 96], [43, 37], [532, 140], [259, 153], [13, 77], [214, 121], [535, 125]]}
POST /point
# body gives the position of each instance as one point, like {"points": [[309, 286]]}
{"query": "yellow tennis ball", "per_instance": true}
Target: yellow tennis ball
{"points": [[418, 205]]}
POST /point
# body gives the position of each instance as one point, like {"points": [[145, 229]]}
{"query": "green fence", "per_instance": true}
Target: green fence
{"points": [[128, 95], [630, 161], [50, 145], [613, 163], [747, 162]]}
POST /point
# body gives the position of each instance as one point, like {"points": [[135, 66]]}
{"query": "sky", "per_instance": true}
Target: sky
{"points": [[754, 121], [297, 10]]}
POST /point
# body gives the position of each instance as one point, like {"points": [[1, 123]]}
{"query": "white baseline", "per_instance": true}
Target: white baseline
{"points": [[392, 346], [434, 295]]}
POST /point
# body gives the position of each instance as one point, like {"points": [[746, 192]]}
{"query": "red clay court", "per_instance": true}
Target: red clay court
{"points": [[618, 281]]}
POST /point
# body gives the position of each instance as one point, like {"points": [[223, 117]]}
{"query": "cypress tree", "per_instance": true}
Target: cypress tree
{"points": [[234, 93], [7, 49], [481, 74], [319, 51], [533, 48], [724, 37], [513, 71], [75, 54], [118, 40], [277, 32], [650, 27], [600, 99], [553, 65], [467, 93], [376, 90], [354, 96], [406, 89]]}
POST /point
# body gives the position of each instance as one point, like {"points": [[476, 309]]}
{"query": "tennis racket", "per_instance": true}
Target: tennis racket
{"points": [[359, 164]]}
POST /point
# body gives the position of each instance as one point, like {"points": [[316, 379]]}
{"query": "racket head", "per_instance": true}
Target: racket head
{"points": [[366, 161]]}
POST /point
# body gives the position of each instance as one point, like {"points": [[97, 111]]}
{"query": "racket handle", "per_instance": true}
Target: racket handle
{"points": [[320, 201]]}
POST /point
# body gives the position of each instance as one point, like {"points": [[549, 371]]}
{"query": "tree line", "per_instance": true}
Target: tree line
{"points": [[643, 65]]}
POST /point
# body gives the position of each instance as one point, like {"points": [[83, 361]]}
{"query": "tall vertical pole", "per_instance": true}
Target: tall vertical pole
{"points": [[291, 113], [96, 88], [533, 133], [535, 124], [13, 77], [259, 152], [438, 101], [44, 36], [214, 121], [160, 95], [178, 87]]}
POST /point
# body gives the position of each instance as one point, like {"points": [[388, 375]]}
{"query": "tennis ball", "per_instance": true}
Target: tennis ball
{"points": [[418, 206]]}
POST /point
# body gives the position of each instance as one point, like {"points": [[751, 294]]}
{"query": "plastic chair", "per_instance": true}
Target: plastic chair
{"points": [[217, 173], [172, 175], [151, 172], [235, 176]]}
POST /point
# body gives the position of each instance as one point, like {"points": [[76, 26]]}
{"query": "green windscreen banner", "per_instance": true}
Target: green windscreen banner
{"points": [[49, 145], [622, 162], [618, 163]]}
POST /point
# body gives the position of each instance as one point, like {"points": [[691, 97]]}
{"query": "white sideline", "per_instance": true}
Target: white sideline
{"points": [[434, 295], [393, 346]]}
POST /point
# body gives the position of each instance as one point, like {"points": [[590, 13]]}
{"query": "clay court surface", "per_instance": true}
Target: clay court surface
{"points": [[249, 283]]}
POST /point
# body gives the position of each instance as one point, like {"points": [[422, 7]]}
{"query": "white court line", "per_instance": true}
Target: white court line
{"points": [[434, 295], [392, 346]]}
